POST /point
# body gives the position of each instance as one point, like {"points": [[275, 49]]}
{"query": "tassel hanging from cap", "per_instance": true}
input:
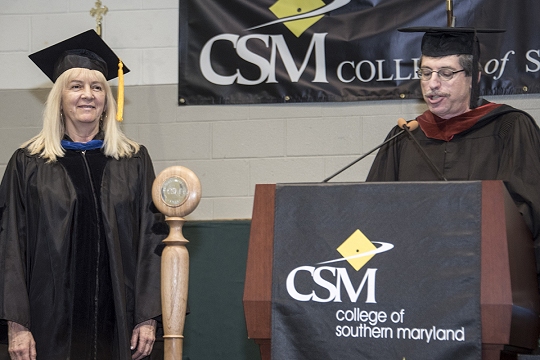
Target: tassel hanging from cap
{"points": [[120, 97]]}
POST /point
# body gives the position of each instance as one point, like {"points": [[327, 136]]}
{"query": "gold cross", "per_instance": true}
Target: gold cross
{"points": [[98, 12]]}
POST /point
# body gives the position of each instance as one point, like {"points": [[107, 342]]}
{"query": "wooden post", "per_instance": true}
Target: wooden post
{"points": [[174, 288], [176, 192]]}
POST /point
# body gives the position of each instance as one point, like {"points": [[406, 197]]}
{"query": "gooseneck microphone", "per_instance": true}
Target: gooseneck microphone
{"points": [[402, 123], [410, 126]]}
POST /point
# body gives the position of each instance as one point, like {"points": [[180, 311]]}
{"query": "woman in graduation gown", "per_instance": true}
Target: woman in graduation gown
{"points": [[79, 237]]}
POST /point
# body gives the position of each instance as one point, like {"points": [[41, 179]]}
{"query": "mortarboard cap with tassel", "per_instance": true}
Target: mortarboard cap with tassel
{"points": [[86, 50]]}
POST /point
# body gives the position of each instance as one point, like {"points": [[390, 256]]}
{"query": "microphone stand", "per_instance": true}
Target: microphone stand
{"points": [[363, 156], [424, 154]]}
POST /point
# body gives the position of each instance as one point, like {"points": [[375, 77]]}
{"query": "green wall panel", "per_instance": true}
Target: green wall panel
{"points": [[215, 329]]}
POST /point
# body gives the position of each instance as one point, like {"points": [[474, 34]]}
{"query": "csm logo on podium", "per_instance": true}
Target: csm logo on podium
{"points": [[357, 250]]}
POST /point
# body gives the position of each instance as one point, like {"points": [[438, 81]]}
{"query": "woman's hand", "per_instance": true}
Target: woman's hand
{"points": [[143, 339], [21, 342]]}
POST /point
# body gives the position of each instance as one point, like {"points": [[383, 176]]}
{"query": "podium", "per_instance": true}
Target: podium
{"points": [[509, 299]]}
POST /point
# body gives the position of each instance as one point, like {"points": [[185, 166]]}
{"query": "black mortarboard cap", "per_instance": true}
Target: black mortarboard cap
{"points": [[86, 50], [445, 41]]}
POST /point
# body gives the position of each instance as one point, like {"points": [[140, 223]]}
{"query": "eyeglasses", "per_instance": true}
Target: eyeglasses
{"points": [[444, 73]]}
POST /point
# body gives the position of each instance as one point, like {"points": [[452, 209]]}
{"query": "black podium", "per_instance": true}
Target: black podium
{"points": [[507, 295]]}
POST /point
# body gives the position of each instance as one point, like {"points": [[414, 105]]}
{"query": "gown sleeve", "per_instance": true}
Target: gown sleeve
{"points": [[385, 167], [14, 304], [153, 230], [520, 167]]}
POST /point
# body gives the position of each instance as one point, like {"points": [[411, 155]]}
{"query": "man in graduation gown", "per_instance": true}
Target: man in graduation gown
{"points": [[465, 138]]}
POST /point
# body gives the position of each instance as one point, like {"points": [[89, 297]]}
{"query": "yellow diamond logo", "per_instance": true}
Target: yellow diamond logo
{"points": [[354, 247], [286, 8]]}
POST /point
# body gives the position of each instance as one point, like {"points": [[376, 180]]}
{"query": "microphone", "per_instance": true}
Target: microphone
{"points": [[412, 125], [403, 124]]}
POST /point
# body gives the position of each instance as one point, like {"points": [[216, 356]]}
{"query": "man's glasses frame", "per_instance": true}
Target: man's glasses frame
{"points": [[445, 74]]}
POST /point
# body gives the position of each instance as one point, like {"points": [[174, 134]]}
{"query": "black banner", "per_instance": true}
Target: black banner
{"points": [[276, 51], [377, 272]]}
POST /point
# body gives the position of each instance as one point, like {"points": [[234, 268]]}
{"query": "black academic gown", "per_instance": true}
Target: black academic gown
{"points": [[79, 254], [502, 145]]}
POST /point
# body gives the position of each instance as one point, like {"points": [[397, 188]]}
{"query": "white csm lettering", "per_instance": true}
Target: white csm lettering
{"points": [[206, 65], [371, 66], [253, 58], [416, 62], [398, 70], [340, 71], [280, 46], [343, 277], [291, 289], [370, 71], [267, 67], [334, 290], [533, 60], [380, 67], [493, 65]]}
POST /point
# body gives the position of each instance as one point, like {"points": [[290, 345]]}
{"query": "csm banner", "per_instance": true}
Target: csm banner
{"points": [[377, 272], [276, 51]]}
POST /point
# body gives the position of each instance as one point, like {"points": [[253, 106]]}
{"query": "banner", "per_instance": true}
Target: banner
{"points": [[278, 51], [377, 272]]}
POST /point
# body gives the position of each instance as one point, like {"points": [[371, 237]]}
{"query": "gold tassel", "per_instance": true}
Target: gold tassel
{"points": [[120, 97]]}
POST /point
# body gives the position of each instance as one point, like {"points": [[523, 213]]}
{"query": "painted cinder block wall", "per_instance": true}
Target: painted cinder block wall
{"points": [[230, 147]]}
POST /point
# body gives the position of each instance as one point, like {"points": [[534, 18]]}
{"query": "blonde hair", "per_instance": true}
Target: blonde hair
{"points": [[47, 145]]}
